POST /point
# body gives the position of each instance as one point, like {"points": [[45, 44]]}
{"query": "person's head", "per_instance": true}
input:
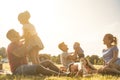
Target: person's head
{"points": [[24, 17], [62, 46], [109, 39], [76, 45], [13, 35]]}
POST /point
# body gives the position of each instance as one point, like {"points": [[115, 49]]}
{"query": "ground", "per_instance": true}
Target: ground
{"points": [[93, 77]]}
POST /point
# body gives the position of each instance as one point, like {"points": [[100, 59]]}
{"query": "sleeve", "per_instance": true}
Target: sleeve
{"points": [[115, 48]]}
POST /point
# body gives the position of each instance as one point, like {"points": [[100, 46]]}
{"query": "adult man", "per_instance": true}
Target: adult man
{"points": [[18, 62], [66, 58]]}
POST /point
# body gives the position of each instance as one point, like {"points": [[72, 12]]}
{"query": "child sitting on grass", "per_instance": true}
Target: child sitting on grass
{"points": [[82, 68]]}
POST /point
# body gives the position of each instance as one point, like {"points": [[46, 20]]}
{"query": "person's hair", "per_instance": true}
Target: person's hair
{"points": [[77, 43], [112, 38], [60, 45], [10, 34], [89, 64], [24, 15]]}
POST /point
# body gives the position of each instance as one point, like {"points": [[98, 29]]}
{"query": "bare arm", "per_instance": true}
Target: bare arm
{"points": [[79, 73], [115, 56], [72, 56]]}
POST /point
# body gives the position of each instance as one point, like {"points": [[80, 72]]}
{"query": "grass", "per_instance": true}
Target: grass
{"points": [[94, 77]]}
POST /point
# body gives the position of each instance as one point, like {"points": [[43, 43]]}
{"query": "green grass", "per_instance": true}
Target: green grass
{"points": [[94, 77]]}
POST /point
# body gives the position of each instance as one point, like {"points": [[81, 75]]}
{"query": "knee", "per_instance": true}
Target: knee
{"points": [[48, 61], [100, 70]]}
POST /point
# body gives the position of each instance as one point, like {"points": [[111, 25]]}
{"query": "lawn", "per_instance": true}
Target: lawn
{"points": [[93, 77]]}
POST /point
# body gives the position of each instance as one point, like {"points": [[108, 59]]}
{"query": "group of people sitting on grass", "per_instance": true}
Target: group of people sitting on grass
{"points": [[26, 47], [78, 65]]}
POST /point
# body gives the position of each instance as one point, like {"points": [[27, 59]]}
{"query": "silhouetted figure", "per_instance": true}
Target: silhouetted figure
{"points": [[18, 61], [110, 56], [65, 57], [78, 50], [82, 68], [32, 41]]}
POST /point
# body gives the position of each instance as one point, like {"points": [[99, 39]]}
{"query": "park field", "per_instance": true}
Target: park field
{"points": [[93, 77]]}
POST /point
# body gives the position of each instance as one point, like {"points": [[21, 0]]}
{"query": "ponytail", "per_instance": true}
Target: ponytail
{"points": [[115, 40]]}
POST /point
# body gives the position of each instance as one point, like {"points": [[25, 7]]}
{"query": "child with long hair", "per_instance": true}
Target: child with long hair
{"points": [[82, 68], [32, 42]]}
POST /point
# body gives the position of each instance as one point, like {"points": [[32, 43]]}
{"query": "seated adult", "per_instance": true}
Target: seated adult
{"points": [[18, 61], [66, 58], [110, 56]]}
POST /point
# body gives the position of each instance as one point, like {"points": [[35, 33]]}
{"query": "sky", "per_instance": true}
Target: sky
{"points": [[83, 21]]}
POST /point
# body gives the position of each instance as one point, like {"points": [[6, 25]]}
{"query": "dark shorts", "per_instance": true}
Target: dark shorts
{"points": [[26, 70]]}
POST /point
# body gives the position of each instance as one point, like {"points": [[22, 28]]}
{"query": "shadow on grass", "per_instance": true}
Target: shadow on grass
{"points": [[18, 77]]}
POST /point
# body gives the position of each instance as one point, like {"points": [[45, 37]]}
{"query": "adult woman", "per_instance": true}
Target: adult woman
{"points": [[110, 55]]}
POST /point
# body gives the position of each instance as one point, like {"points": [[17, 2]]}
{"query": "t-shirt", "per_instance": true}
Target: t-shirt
{"points": [[108, 54], [64, 61], [15, 61], [28, 31]]}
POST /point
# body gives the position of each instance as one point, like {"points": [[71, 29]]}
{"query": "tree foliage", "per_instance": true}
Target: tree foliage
{"points": [[3, 52]]}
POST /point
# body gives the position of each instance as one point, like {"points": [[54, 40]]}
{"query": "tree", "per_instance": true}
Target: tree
{"points": [[56, 59], [43, 57], [3, 52], [94, 59]]}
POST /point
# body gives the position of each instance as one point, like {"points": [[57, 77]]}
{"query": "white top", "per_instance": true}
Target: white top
{"points": [[29, 30]]}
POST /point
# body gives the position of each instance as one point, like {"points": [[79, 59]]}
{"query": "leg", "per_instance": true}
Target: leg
{"points": [[36, 51], [47, 72], [115, 66], [50, 65], [34, 56], [112, 71], [37, 57], [108, 70]]}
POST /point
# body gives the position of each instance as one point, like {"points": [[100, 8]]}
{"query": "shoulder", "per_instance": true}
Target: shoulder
{"points": [[115, 48], [10, 47]]}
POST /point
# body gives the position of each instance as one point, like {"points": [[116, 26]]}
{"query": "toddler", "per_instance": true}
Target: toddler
{"points": [[32, 42]]}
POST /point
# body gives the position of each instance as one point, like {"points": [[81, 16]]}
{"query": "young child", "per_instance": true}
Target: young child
{"points": [[78, 50], [87, 67], [32, 41], [82, 68]]}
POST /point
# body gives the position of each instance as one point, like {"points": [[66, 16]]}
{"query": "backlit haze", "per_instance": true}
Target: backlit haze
{"points": [[84, 21]]}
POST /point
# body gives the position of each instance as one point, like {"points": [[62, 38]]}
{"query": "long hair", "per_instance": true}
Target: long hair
{"points": [[89, 64], [112, 38]]}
